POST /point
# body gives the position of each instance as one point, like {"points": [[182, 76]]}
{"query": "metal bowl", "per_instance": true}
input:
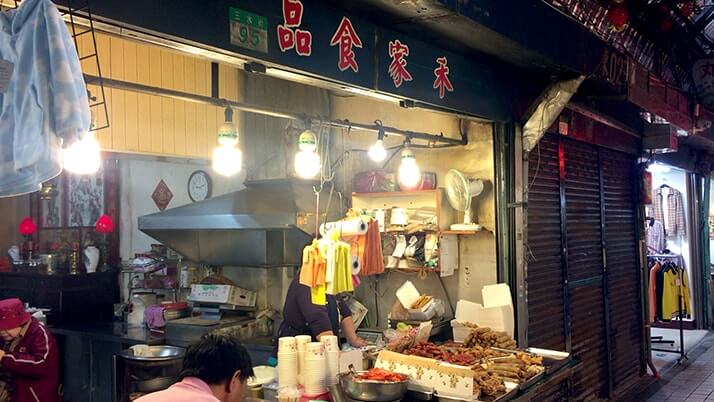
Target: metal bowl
{"points": [[153, 353], [372, 391]]}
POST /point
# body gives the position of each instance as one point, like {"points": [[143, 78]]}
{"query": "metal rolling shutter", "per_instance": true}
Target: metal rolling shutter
{"points": [[622, 262], [544, 275], [581, 201], [585, 266]]}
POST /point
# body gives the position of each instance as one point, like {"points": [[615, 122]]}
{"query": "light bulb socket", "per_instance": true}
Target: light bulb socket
{"points": [[228, 114], [408, 155], [380, 130], [307, 141]]}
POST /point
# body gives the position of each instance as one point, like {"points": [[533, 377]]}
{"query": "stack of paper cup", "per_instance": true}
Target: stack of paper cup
{"points": [[314, 373], [302, 341], [332, 358], [287, 362]]}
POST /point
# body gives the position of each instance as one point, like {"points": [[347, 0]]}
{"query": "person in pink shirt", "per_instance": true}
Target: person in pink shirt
{"points": [[215, 369]]}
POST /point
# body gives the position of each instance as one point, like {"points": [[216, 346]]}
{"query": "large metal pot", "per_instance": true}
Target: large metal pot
{"points": [[153, 353], [372, 391]]}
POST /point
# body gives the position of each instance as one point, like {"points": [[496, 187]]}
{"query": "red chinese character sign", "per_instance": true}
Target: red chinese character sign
{"points": [[398, 67], [289, 35], [442, 81], [346, 37]]}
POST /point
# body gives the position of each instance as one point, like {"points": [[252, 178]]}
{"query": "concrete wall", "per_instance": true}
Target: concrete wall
{"points": [[12, 210]]}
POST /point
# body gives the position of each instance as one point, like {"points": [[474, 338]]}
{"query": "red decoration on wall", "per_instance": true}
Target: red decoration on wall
{"points": [[619, 16], [162, 195], [398, 67], [27, 227], [442, 81], [104, 225], [346, 37]]}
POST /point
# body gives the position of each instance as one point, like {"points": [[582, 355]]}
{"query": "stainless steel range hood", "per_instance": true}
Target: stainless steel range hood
{"points": [[265, 225]]}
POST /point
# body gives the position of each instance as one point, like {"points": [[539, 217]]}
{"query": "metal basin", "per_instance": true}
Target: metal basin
{"points": [[372, 391], [153, 353]]}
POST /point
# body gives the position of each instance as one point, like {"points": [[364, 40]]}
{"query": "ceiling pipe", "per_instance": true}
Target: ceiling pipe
{"points": [[271, 112]]}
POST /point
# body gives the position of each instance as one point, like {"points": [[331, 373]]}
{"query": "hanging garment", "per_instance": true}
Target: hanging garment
{"points": [[312, 273], [45, 101], [656, 239], [652, 291], [373, 261], [343, 269], [675, 223], [670, 293], [659, 288]]}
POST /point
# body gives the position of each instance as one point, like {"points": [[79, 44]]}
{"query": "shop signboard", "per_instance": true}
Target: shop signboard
{"points": [[317, 39], [417, 70]]}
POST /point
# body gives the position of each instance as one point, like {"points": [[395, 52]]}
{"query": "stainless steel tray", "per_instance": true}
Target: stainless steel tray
{"points": [[552, 359]]}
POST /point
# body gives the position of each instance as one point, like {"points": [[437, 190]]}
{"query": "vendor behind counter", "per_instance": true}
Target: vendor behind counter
{"points": [[303, 317]]}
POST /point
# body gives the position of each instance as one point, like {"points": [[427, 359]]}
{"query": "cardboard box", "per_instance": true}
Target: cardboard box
{"points": [[223, 294]]}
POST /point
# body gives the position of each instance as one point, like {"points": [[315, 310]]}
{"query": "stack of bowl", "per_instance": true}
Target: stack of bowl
{"points": [[287, 362], [314, 372], [332, 358], [302, 341]]}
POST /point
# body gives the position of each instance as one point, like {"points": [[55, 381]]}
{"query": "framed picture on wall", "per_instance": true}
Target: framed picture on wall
{"points": [[67, 209], [51, 196], [86, 199]]}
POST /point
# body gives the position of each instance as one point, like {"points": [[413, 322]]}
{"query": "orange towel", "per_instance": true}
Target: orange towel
{"points": [[373, 259], [312, 273]]}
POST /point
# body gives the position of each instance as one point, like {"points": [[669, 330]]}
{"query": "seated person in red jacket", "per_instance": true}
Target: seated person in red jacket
{"points": [[29, 363]]}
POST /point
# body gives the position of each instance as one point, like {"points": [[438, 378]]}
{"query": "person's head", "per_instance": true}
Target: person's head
{"points": [[222, 363], [12, 318]]}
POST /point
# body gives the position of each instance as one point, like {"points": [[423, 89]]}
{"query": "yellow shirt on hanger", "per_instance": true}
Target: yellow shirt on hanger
{"points": [[670, 294]]}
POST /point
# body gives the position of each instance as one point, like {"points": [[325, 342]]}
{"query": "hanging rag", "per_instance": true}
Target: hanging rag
{"points": [[45, 101], [373, 260], [312, 273]]}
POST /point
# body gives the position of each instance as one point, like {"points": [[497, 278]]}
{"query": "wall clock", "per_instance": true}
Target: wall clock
{"points": [[199, 186]]}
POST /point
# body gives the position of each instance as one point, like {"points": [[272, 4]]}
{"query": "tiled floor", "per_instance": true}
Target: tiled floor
{"points": [[692, 381]]}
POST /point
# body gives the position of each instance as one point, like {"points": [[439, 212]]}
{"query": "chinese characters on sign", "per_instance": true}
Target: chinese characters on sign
{"points": [[289, 34], [442, 82], [248, 30], [346, 38], [398, 66], [703, 75]]}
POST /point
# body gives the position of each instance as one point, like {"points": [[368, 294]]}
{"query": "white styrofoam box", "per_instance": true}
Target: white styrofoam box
{"points": [[446, 379], [407, 294], [222, 294], [496, 313]]}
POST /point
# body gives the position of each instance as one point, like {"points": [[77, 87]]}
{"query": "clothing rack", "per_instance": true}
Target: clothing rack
{"points": [[680, 314]]}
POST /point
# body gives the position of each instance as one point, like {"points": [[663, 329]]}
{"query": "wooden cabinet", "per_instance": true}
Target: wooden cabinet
{"points": [[72, 298]]}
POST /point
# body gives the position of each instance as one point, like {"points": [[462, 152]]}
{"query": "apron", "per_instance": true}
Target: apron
{"points": [[287, 330]]}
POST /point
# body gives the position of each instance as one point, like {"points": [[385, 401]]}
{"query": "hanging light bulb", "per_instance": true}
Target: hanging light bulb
{"points": [[227, 157], [409, 173], [377, 152], [83, 156], [307, 161]]}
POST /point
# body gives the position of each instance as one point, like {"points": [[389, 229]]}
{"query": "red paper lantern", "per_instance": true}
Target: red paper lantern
{"points": [[619, 16], [27, 227], [104, 224]]}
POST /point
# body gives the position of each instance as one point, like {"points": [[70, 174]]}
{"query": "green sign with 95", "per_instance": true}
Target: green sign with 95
{"points": [[249, 30]]}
